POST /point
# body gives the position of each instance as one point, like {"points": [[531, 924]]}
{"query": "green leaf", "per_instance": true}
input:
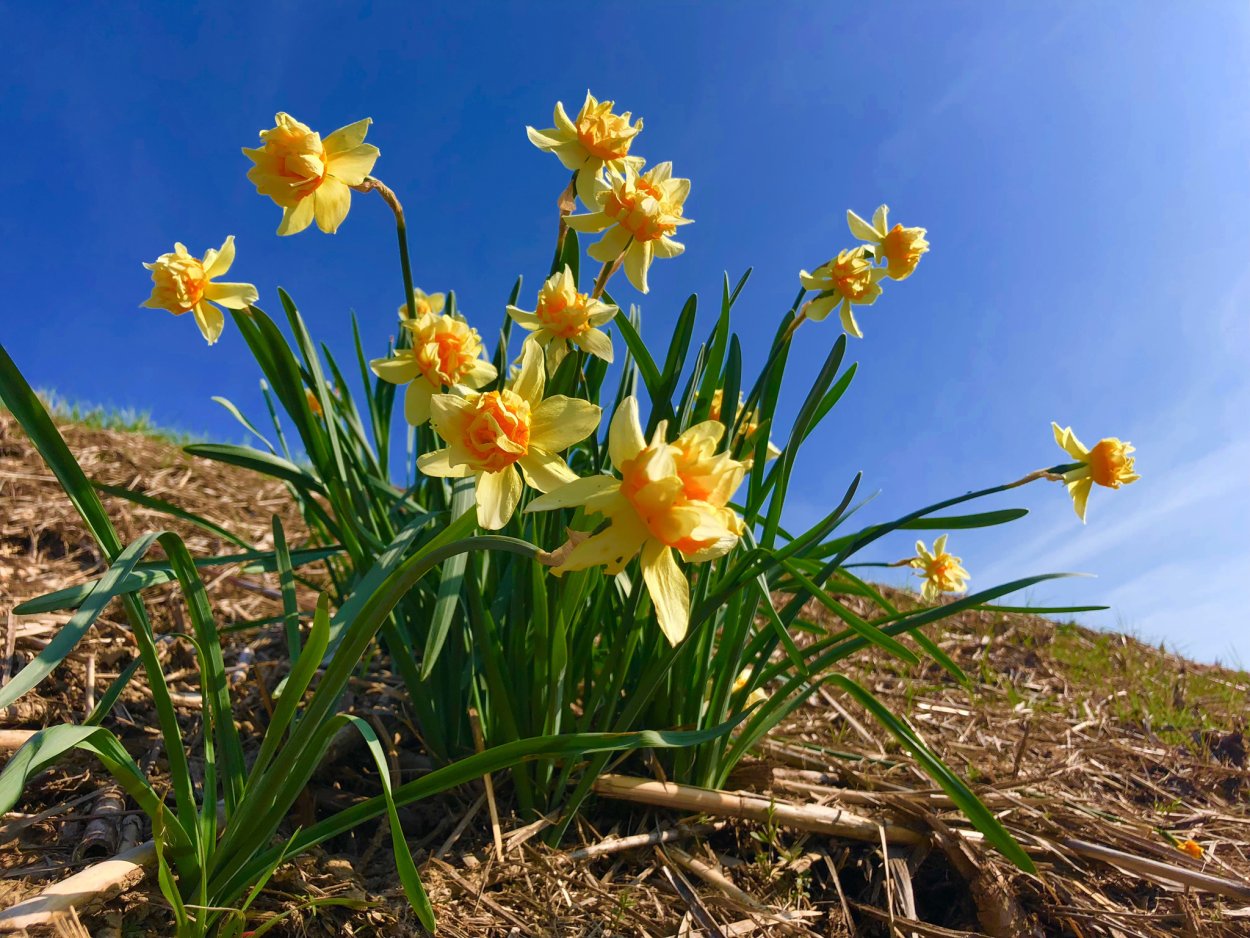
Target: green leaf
{"points": [[449, 587], [70, 634], [168, 508], [265, 463], [638, 351]]}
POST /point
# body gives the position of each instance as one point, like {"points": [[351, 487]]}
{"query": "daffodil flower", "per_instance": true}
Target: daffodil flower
{"points": [[848, 280], [671, 499], [941, 571], [446, 351], [1191, 848], [747, 426], [759, 695], [491, 435], [1108, 463], [898, 247], [597, 139], [310, 177], [423, 303], [563, 316], [641, 213], [184, 284]]}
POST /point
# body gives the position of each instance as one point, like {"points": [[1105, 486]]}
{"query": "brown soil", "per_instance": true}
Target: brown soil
{"points": [[1070, 736]]}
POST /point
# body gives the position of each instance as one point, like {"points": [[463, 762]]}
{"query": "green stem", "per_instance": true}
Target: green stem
{"points": [[401, 229]]}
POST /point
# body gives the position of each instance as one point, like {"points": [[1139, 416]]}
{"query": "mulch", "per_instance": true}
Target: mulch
{"points": [[1055, 759]]}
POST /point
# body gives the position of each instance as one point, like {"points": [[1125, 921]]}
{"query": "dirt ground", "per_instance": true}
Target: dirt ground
{"points": [[1098, 752]]}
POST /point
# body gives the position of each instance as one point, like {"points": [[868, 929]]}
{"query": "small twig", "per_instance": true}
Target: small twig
{"points": [[818, 818], [93, 883], [620, 844], [89, 685]]}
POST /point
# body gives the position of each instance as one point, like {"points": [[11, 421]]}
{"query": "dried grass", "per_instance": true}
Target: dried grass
{"points": [[1070, 736]]}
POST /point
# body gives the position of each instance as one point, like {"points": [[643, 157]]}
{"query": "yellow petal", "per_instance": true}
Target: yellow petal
{"points": [[613, 547], [821, 307], [545, 139], [637, 262], [221, 261], [1079, 491], [482, 372], [596, 342], [447, 414], [670, 592], [232, 295], [297, 217], [559, 422], [577, 492], [398, 370], [438, 464], [331, 202], [523, 318], [860, 228], [417, 402], [210, 320], [593, 221], [588, 181], [352, 166], [345, 138], [562, 122], [528, 383], [498, 494], [1069, 443], [625, 439], [848, 321], [545, 471]]}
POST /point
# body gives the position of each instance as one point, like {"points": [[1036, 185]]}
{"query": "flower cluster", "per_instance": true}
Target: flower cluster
{"points": [[853, 277], [639, 212], [669, 500]]}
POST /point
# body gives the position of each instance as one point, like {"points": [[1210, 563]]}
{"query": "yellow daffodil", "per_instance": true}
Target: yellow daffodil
{"points": [[1108, 463], [1190, 847], [898, 247], [597, 139], [847, 280], [491, 435], [310, 177], [642, 212], [748, 427], [423, 303], [671, 498], [759, 695], [941, 571], [184, 284], [446, 351], [314, 404], [563, 316]]}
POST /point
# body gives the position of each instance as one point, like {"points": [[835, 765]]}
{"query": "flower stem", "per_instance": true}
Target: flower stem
{"points": [[565, 205], [606, 274], [401, 228]]}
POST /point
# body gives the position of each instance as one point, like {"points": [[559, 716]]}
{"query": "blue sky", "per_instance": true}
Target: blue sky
{"points": [[1084, 173]]}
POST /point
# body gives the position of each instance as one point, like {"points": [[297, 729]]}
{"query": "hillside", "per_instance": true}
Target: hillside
{"points": [[1097, 751]]}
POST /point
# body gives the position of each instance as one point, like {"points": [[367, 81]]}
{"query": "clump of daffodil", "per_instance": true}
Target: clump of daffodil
{"points": [[759, 695], [1108, 463], [747, 426], [491, 435], [446, 351], [184, 284], [671, 499], [1191, 848], [941, 571], [848, 280], [898, 248], [642, 212], [563, 316], [422, 304], [310, 177], [598, 139]]}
